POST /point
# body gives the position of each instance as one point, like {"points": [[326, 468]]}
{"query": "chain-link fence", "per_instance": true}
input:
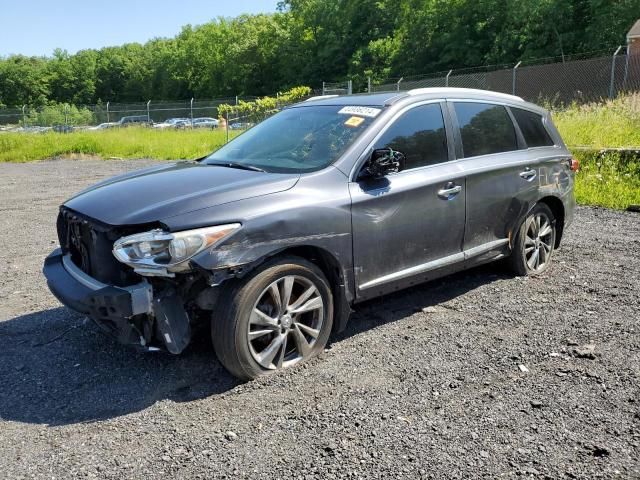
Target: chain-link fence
{"points": [[551, 81], [61, 116], [337, 88]]}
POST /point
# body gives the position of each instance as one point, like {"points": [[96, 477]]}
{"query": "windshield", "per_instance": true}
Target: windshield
{"points": [[298, 139]]}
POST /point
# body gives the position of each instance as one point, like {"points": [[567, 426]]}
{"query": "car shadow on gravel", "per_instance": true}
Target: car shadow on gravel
{"points": [[430, 295], [58, 368]]}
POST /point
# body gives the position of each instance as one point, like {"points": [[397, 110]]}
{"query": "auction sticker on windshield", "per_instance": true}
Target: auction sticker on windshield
{"points": [[362, 111], [354, 121]]}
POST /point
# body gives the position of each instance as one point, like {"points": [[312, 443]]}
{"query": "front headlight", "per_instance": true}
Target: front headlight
{"points": [[162, 250]]}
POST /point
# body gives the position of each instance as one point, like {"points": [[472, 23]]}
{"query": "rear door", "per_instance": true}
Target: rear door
{"points": [[410, 222], [501, 174]]}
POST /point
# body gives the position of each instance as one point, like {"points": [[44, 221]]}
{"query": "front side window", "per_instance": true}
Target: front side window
{"points": [[419, 134], [485, 128], [532, 128], [298, 139]]}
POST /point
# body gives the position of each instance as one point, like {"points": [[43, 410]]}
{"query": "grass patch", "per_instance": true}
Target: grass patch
{"points": [[132, 142], [613, 124], [607, 180]]}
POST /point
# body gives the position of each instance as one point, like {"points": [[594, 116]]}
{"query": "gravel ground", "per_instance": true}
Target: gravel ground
{"points": [[476, 375]]}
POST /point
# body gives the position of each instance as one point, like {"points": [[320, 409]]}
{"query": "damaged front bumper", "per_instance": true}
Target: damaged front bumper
{"points": [[131, 314]]}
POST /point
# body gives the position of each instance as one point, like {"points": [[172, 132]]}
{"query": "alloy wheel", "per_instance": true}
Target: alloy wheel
{"points": [[285, 322], [538, 244]]}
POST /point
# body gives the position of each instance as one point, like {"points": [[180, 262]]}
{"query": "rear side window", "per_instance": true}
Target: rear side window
{"points": [[532, 128], [485, 128], [420, 135]]}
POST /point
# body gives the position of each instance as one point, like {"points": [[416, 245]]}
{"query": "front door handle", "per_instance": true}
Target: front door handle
{"points": [[528, 174], [449, 191]]}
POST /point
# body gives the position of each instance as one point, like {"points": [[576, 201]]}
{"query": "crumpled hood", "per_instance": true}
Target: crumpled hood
{"points": [[155, 193]]}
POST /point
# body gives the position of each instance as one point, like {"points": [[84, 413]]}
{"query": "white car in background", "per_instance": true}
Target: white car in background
{"points": [[103, 126], [205, 122], [171, 123]]}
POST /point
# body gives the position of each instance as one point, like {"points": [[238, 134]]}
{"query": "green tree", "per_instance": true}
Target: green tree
{"points": [[23, 80]]}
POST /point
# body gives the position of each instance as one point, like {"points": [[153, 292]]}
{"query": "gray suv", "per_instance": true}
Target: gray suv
{"points": [[271, 240]]}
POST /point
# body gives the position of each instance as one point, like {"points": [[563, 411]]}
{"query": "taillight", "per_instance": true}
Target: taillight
{"points": [[574, 164]]}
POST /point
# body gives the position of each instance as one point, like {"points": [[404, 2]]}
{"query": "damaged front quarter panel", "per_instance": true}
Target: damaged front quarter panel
{"points": [[277, 225]]}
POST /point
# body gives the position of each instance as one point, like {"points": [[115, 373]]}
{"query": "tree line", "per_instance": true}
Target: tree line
{"points": [[309, 41]]}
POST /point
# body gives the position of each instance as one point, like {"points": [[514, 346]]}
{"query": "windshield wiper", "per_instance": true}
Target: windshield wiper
{"points": [[241, 166]]}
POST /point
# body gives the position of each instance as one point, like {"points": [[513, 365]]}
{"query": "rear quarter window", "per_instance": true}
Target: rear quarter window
{"points": [[532, 128], [485, 128]]}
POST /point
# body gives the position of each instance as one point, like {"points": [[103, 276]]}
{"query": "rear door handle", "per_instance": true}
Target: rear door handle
{"points": [[528, 174], [449, 191]]}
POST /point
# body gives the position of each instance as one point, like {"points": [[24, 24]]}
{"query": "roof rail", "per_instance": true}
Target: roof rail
{"points": [[453, 91], [320, 97]]}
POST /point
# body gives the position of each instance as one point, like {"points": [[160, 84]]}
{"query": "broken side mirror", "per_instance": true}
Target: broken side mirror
{"points": [[383, 161]]}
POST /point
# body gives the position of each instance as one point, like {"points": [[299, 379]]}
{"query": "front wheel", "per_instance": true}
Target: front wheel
{"points": [[278, 317], [534, 244]]}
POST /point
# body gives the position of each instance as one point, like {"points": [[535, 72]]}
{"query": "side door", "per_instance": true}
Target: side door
{"points": [[501, 175], [409, 222]]}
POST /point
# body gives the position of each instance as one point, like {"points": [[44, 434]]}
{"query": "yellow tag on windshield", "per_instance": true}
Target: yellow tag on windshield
{"points": [[354, 122]]}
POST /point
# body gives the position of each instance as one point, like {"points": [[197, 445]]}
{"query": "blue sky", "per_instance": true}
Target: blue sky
{"points": [[37, 27]]}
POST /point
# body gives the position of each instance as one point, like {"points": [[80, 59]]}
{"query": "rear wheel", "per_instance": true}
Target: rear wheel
{"points": [[534, 244], [277, 318]]}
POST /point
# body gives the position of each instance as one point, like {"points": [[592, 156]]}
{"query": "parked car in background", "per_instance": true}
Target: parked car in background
{"points": [[170, 123], [205, 122], [240, 125], [32, 129], [103, 126], [272, 239], [63, 128], [134, 120]]}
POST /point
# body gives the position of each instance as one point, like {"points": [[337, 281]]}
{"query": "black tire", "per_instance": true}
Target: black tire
{"points": [[232, 323], [523, 256]]}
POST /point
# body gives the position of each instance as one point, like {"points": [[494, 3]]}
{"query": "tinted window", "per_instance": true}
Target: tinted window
{"points": [[485, 129], [420, 135], [532, 128]]}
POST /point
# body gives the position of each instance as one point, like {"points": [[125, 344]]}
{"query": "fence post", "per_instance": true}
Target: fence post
{"points": [[191, 108], [446, 80], [613, 72], [148, 111], [515, 70], [398, 84], [226, 118], [626, 69], [66, 114], [24, 116], [108, 119]]}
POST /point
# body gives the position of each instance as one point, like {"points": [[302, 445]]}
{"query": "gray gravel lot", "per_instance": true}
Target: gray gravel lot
{"points": [[424, 383]]}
